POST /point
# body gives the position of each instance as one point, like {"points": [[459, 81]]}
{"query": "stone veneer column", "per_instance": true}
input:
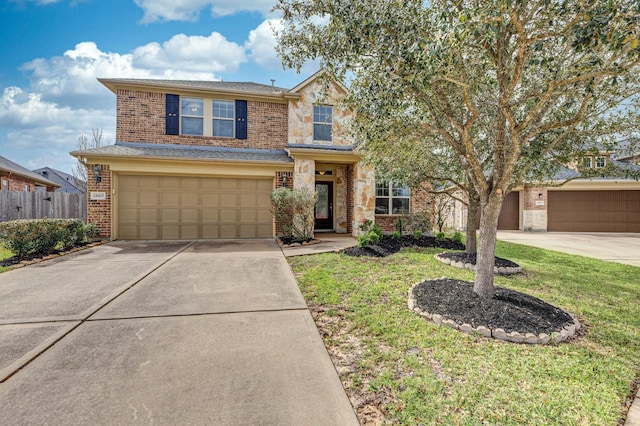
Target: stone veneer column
{"points": [[304, 174], [340, 209], [534, 214], [364, 195]]}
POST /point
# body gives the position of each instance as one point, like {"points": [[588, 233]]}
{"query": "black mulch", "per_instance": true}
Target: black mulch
{"points": [[509, 309], [14, 260], [389, 245], [471, 258]]}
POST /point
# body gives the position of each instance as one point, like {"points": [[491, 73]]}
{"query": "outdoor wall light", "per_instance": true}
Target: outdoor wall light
{"points": [[284, 181], [540, 195], [96, 172]]}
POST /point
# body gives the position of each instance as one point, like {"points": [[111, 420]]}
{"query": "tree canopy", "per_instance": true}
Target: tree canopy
{"points": [[509, 89]]}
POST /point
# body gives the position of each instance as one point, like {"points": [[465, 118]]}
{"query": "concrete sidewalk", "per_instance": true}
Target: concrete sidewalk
{"points": [[614, 247], [211, 332]]}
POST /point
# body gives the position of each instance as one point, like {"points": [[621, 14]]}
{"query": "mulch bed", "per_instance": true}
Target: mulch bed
{"points": [[472, 258], [389, 245], [16, 260], [508, 309]]}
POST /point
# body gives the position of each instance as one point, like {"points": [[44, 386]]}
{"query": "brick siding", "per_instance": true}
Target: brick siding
{"points": [[141, 118], [421, 201], [16, 183], [99, 211]]}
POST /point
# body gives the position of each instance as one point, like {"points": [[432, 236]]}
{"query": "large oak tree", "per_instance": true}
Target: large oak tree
{"points": [[504, 85]]}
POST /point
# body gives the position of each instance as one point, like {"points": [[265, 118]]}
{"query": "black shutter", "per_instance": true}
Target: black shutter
{"points": [[173, 115], [241, 119]]}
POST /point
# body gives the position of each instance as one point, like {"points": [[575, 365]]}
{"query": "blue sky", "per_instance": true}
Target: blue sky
{"points": [[53, 51]]}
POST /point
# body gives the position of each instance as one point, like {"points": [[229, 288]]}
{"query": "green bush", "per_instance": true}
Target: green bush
{"points": [[371, 233], [294, 210], [457, 237], [440, 236], [417, 234], [40, 236], [396, 235]]}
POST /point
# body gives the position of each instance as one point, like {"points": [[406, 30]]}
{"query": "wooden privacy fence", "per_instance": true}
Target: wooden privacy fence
{"points": [[38, 205]]}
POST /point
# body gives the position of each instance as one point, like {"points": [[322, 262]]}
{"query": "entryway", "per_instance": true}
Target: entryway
{"points": [[324, 206]]}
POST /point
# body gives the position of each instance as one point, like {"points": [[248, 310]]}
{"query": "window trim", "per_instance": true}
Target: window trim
{"points": [[232, 119], [590, 162], [604, 161], [390, 197], [328, 124], [201, 117]]}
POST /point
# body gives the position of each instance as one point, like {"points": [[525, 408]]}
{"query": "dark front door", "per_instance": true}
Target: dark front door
{"points": [[324, 205]]}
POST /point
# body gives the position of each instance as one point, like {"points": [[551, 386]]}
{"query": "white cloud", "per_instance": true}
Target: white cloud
{"points": [[262, 44], [210, 54], [189, 10]]}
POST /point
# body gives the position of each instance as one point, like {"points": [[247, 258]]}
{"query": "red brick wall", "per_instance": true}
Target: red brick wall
{"points": [[421, 201], [141, 118], [289, 184], [99, 211], [17, 183]]}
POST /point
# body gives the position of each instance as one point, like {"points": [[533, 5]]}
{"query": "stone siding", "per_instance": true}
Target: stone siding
{"points": [[301, 116], [364, 195], [534, 213]]}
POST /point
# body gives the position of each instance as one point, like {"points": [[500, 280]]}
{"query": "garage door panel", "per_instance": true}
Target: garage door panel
{"points": [[229, 199], [594, 211], [180, 207]]}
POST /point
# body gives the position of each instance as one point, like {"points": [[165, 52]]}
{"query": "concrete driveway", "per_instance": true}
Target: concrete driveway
{"points": [[614, 247], [207, 332]]}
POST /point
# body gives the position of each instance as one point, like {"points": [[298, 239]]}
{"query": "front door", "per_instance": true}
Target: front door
{"points": [[324, 205]]}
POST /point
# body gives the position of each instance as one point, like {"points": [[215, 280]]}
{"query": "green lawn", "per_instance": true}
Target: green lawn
{"points": [[424, 374], [4, 254]]}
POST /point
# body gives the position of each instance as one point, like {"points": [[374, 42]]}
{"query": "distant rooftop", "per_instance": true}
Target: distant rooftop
{"points": [[9, 167]]}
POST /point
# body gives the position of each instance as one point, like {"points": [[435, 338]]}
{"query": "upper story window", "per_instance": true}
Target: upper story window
{"points": [[322, 122], [600, 162], [223, 118], [392, 198], [192, 113], [587, 162], [206, 117]]}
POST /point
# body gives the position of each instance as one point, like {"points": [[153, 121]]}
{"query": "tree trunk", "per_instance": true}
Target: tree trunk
{"points": [[472, 215], [483, 285]]}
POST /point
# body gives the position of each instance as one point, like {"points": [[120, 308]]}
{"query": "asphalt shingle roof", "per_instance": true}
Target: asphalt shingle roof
{"points": [[231, 86], [10, 166], [149, 150]]}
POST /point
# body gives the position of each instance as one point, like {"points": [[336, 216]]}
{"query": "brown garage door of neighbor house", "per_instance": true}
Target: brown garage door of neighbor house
{"points": [[594, 211], [509, 219], [186, 207]]}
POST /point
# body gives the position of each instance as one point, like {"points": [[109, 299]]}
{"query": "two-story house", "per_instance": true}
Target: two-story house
{"points": [[199, 159]]}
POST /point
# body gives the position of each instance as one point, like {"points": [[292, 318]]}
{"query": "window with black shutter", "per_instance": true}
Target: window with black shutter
{"points": [[173, 118]]}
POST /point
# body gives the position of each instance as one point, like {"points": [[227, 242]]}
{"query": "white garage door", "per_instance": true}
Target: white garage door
{"points": [[186, 207]]}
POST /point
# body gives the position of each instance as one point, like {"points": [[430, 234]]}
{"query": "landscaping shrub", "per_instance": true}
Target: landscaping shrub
{"points": [[417, 234], [457, 237], [40, 236], [420, 222], [371, 233], [396, 235], [440, 236], [294, 210]]}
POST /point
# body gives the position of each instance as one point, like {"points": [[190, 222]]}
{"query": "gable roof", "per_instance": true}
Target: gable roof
{"points": [[226, 87], [8, 168], [313, 78], [66, 181]]}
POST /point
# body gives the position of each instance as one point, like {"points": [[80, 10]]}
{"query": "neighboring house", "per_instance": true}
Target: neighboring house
{"points": [[66, 181], [199, 159], [610, 204], [14, 177]]}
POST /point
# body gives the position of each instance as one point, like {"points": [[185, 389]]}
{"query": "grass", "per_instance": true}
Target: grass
{"points": [[4, 254], [433, 375]]}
